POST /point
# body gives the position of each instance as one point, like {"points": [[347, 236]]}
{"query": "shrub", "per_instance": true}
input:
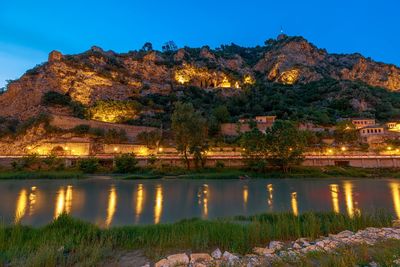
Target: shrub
{"points": [[81, 129], [219, 164], [126, 163], [89, 165], [54, 98], [115, 136]]}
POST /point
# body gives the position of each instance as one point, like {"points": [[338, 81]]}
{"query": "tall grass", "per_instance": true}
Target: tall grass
{"points": [[68, 241]]}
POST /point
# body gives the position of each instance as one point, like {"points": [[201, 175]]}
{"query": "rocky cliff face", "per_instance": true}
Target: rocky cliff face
{"points": [[102, 75]]}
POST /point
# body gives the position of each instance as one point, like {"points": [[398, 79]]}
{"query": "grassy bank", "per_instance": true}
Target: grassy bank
{"points": [[68, 174], [67, 241], [297, 172]]}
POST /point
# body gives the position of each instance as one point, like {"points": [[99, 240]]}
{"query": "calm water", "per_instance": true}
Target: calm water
{"points": [[109, 202]]}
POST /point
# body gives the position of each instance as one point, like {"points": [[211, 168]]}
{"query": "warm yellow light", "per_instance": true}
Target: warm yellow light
{"points": [[389, 148], [335, 197], [29, 147], [295, 208], [21, 206], [248, 80], [237, 85], [112, 204], [225, 83], [115, 149], [158, 204], [68, 199], [66, 148], [245, 195], [343, 148], [330, 151], [60, 203], [270, 194], [395, 188], [160, 149], [143, 151], [139, 201]]}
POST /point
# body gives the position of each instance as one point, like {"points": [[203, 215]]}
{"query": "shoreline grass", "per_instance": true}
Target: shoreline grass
{"points": [[23, 175], [68, 241]]}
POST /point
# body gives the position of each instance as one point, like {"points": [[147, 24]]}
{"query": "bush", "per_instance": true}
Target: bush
{"points": [[219, 164], [54, 98], [115, 136], [81, 129], [126, 163], [89, 165]]}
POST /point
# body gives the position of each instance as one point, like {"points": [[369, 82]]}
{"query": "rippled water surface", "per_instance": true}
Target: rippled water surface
{"points": [[109, 202]]}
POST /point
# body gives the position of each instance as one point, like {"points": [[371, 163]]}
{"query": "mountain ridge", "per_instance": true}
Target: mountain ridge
{"points": [[98, 75]]}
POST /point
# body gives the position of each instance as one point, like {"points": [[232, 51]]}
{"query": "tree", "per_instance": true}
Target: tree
{"points": [[147, 47], [190, 131], [286, 144], [126, 163], [221, 113], [150, 139], [169, 46], [254, 149], [346, 133]]}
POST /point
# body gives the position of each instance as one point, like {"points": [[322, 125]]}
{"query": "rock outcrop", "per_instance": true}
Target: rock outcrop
{"points": [[103, 75]]}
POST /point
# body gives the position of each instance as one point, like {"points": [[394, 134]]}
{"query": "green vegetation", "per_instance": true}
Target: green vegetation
{"points": [[88, 165], [53, 98], [67, 241], [282, 145], [66, 174], [190, 131], [125, 163], [114, 111], [33, 162]]}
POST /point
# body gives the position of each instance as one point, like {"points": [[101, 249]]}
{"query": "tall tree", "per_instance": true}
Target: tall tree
{"points": [[190, 131], [147, 47], [286, 144]]}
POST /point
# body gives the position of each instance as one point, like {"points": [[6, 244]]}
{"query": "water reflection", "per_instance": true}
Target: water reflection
{"points": [[350, 204], [245, 196], [112, 204], [335, 197], [158, 204], [139, 202], [63, 202], [203, 200], [395, 188], [21, 205], [60, 203], [295, 208], [270, 195], [32, 200]]}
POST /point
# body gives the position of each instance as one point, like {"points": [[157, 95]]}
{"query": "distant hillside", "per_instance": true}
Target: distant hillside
{"points": [[289, 77]]}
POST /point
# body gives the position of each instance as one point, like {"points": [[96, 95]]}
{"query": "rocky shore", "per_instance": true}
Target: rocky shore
{"points": [[285, 252]]}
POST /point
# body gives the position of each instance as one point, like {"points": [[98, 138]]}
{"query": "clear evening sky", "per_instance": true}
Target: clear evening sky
{"points": [[29, 30]]}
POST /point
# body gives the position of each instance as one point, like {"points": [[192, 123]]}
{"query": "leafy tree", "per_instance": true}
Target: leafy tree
{"points": [[81, 129], [126, 163], [286, 144], [150, 139], [169, 46], [190, 131], [346, 133], [221, 113], [88, 165], [254, 149], [114, 136], [147, 47]]}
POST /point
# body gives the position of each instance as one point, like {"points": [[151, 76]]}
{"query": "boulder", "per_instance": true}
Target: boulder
{"points": [[177, 259], [216, 254], [200, 257]]}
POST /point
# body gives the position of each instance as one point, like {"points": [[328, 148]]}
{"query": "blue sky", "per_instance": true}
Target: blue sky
{"points": [[29, 30]]}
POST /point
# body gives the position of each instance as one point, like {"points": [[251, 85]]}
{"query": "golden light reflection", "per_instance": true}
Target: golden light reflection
{"points": [[139, 201], [32, 200], [68, 199], [158, 204], [270, 194], [350, 204], [395, 187], [60, 203], [245, 195], [22, 203], [335, 197], [205, 200], [112, 204], [295, 208]]}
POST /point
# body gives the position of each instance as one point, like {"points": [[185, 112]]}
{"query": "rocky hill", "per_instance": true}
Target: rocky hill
{"points": [[105, 75]]}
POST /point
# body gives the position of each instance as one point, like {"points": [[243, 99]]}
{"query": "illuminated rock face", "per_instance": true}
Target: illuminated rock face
{"points": [[204, 78], [289, 77]]}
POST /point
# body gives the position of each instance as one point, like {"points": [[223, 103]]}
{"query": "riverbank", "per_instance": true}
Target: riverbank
{"points": [[208, 173], [67, 241], [296, 172]]}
